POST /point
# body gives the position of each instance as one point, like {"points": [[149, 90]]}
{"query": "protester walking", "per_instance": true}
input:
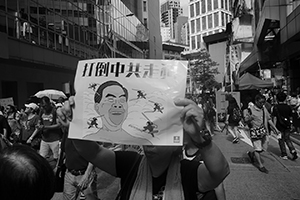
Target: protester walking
{"points": [[29, 124], [233, 118], [257, 118], [49, 129], [283, 120], [161, 166], [79, 172]]}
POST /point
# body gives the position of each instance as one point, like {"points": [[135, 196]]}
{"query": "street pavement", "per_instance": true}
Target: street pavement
{"points": [[245, 181]]}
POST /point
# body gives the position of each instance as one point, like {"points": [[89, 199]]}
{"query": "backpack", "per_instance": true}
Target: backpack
{"points": [[283, 121], [236, 114]]}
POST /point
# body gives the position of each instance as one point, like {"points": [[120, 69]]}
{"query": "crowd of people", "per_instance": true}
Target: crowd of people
{"points": [[40, 130], [272, 112]]}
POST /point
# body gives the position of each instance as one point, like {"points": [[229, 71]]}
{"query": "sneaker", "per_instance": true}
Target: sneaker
{"points": [[284, 157], [250, 155], [263, 169], [295, 156]]}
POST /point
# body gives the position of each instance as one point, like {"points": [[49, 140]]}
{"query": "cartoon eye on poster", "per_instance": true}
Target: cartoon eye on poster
{"points": [[129, 101]]}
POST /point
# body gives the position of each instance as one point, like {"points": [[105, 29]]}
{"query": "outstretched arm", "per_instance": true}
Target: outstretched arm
{"points": [[215, 168], [100, 157]]}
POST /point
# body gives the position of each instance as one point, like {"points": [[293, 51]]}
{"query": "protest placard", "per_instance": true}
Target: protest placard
{"points": [[129, 101]]}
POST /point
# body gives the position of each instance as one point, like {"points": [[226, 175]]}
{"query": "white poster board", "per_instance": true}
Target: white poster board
{"points": [[129, 101]]}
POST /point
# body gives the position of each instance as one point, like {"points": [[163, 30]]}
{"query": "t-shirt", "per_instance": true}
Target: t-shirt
{"points": [[257, 116], [284, 111], [50, 135], [74, 161], [127, 164], [29, 127], [230, 110]]}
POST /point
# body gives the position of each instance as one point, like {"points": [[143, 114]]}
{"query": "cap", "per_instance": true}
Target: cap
{"points": [[32, 105]]}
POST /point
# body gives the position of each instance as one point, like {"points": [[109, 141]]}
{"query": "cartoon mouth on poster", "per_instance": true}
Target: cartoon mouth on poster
{"points": [[129, 101]]}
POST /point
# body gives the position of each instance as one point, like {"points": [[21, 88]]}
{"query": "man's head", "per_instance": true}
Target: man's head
{"points": [[25, 175], [281, 97], [46, 104], [31, 108], [10, 109], [260, 101], [111, 104]]}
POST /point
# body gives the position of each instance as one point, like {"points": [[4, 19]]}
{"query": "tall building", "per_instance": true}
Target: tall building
{"points": [[207, 17], [185, 33], [181, 21], [170, 10], [151, 20], [147, 11], [165, 32], [42, 41]]}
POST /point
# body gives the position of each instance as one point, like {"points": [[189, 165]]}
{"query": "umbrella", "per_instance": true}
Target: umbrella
{"points": [[52, 94]]}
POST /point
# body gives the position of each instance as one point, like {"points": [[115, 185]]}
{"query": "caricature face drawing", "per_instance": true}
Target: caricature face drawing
{"points": [[113, 106]]}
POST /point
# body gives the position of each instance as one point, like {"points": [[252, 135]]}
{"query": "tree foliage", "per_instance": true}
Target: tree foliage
{"points": [[203, 71]]}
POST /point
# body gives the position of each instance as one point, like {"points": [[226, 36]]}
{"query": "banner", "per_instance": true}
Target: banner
{"points": [[6, 101], [129, 101]]}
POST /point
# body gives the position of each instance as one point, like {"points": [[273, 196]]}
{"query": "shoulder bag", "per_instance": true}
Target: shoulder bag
{"points": [[259, 132]]}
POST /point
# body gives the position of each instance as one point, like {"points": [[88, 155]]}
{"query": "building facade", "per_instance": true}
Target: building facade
{"points": [[178, 26], [276, 34], [207, 17], [170, 10], [42, 41], [172, 50]]}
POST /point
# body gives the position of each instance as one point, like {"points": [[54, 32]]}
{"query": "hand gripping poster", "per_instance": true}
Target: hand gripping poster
{"points": [[129, 101]]}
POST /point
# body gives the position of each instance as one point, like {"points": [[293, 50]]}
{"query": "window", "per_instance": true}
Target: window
{"points": [[197, 8], [199, 41], [203, 23], [193, 26], [216, 19], [145, 6], [198, 25], [222, 3], [216, 5], [193, 42], [192, 10], [209, 19], [209, 5], [226, 5], [203, 10], [223, 19], [145, 22]]}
